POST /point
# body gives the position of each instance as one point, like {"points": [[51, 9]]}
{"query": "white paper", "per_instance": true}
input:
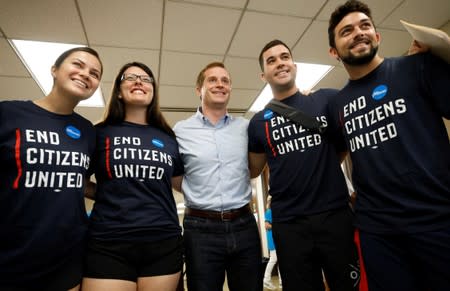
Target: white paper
{"points": [[437, 40]]}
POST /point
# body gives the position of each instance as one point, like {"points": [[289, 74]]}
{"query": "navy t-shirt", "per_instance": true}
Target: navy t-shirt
{"points": [[134, 165], [392, 123], [305, 174], [44, 159]]}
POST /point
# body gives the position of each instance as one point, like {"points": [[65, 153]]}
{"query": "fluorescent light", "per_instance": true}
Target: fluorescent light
{"points": [[308, 75], [38, 57]]}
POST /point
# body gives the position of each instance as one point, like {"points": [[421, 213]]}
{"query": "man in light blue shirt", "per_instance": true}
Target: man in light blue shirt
{"points": [[220, 231]]}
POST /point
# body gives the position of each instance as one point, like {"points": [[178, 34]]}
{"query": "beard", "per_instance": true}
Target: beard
{"points": [[366, 58]]}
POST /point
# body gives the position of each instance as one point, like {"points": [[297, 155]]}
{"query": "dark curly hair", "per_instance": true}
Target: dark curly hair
{"points": [[340, 12]]}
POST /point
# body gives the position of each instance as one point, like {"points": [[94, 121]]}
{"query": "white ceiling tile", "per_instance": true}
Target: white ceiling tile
{"points": [[19, 88], [199, 29], [416, 11], [394, 43], [221, 3], [336, 79], [313, 47], [257, 29], [242, 99], [174, 117], [178, 96], [302, 8], [114, 58], [10, 64], [379, 9], [44, 20], [331, 5], [182, 68], [245, 73], [130, 24], [106, 91], [94, 114]]}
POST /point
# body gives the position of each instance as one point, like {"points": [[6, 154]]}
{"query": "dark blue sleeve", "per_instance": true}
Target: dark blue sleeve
{"points": [[94, 156], [436, 76], [253, 145], [178, 166], [334, 127]]}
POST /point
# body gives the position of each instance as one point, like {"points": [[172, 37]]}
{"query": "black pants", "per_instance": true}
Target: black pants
{"points": [[321, 241]]}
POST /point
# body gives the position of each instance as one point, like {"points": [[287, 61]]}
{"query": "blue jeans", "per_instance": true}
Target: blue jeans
{"points": [[214, 247]]}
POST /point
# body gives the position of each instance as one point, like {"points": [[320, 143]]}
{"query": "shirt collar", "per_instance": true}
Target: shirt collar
{"points": [[224, 120]]}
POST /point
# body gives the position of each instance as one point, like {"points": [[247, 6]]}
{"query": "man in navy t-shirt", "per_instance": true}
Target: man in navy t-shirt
{"points": [[312, 222], [390, 114]]}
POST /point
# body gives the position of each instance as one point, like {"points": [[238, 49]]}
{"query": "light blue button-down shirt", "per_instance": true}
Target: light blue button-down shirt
{"points": [[215, 161]]}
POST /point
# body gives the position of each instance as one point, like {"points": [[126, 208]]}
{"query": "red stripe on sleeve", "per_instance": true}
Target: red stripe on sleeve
{"points": [[18, 161], [274, 152], [108, 167]]}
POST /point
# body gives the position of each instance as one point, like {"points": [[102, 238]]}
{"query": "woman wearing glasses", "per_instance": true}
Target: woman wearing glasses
{"points": [[45, 152], [135, 237]]}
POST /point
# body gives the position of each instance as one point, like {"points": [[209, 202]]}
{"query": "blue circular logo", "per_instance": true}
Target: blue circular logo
{"points": [[379, 92], [157, 143], [268, 114], [73, 132]]}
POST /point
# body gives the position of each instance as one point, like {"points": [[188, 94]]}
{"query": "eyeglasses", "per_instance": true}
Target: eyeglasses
{"points": [[134, 77]]}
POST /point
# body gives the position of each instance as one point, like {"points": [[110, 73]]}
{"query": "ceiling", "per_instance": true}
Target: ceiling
{"points": [[178, 38]]}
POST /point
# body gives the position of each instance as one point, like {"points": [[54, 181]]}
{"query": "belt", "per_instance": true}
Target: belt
{"points": [[225, 215]]}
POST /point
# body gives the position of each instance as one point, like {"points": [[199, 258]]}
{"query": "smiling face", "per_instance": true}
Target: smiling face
{"points": [[78, 75], [279, 69], [216, 88], [136, 92], [356, 40]]}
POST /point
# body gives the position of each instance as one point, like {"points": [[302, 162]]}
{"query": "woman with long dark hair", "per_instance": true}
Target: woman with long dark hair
{"points": [[135, 236]]}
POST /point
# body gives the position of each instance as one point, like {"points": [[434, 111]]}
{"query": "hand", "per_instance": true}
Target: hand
{"points": [[417, 47]]}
